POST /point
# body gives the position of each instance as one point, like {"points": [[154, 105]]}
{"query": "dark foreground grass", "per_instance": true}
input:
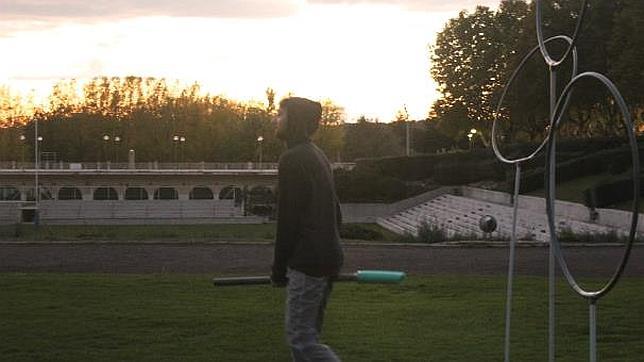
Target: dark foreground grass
{"points": [[82, 317]]}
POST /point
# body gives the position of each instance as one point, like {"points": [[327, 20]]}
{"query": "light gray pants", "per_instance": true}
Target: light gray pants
{"points": [[306, 300]]}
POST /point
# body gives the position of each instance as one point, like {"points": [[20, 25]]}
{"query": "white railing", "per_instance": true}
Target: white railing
{"points": [[13, 165]]}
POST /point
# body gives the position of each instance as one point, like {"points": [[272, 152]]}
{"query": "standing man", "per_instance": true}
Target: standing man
{"points": [[307, 246]]}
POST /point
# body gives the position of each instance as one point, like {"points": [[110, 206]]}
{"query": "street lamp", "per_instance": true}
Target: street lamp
{"points": [[37, 141], [40, 139], [117, 143], [182, 139], [106, 139], [260, 139], [22, 149], [470, 136], [175, 141]]}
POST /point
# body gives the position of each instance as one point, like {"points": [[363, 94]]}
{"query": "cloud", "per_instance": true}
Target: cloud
{"points": [[89, 10], [415, 5]]}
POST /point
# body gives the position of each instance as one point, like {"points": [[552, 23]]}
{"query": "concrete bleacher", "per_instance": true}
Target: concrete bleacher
{"points": [[459, 217]]}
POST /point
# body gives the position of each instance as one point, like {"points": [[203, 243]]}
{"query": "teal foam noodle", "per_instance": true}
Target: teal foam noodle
{"points": [[380, 276]]}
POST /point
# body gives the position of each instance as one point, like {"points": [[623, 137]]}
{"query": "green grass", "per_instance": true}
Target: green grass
{"points": [[573, 190], [82, 317], [180, 233]]}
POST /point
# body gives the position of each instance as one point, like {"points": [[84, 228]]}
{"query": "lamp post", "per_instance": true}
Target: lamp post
{"points": [[260, 140], [39, 148], [106, 139], [175, 142], [37, 140], [22, 150], [407, 138], [117, 143], [470, 136], [182, 141]]}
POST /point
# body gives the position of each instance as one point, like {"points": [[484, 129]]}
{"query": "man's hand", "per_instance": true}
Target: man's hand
{"points": [[279, 281]]}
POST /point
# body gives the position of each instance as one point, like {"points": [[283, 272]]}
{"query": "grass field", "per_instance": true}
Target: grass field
{"points": [[179, 233], [573, 190], [82, 317]]}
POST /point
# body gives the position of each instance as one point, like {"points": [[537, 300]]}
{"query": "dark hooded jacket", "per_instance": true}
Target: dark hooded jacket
{"points": [[308, 238]]}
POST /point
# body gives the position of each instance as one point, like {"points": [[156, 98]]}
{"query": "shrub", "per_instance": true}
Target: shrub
{"points": [[568, 236], [468, 172], [364, 184], [360, 232], [611, 160], [407, 238], [423, 166], [429, 233], [610, 193]]}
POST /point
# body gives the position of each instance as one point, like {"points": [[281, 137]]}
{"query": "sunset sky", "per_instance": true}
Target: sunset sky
{"points": [[369, 56]]}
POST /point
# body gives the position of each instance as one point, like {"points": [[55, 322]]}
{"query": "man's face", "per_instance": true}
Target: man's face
{"points": [[281, 131]]}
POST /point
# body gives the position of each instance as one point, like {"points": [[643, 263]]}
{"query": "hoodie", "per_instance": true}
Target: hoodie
{"points": [[308, 219]]}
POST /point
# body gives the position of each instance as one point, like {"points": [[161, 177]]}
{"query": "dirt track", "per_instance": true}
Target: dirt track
{"points": [[239, 259]]}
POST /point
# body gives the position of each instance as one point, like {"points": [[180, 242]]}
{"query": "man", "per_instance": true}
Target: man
{"points": [[307, 246]]}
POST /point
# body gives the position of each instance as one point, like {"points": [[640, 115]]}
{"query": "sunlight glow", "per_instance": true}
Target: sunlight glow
{"points": [[370, 59]]}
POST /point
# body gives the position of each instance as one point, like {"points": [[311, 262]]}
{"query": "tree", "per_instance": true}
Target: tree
{"points": [[468, 64], [626, 51], [270, 97], [330, 135], [14, 110], [368, 138], [476, 53]]}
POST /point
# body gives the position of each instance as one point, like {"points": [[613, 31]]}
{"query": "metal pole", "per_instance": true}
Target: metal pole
{"points": [[22, 153], [37, 166], [551, 256], [592, 322], [407, 139], [513, 240]]}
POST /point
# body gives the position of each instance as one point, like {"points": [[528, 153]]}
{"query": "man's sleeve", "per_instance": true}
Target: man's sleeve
{"points": [[292, 192]]}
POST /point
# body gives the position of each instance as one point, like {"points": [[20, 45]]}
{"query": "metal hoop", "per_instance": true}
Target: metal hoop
{"points": [[522, 65], [542, 46], [560, 109]]}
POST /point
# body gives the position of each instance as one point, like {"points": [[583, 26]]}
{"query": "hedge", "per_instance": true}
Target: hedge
{"points": [[610, 193], [613, 161], [425, 167]]}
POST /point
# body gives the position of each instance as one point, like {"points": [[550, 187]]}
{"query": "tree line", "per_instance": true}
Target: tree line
{"points": [[475, 54], [472, 59], [102, 119]]}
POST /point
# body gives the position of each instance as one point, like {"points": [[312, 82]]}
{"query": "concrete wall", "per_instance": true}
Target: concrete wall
{"points": [[363, 213], [9, 213], [60, 211], [619, 218], [487, 195], [564, 209], [370, 212], [419, 199], [132, 221]]}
